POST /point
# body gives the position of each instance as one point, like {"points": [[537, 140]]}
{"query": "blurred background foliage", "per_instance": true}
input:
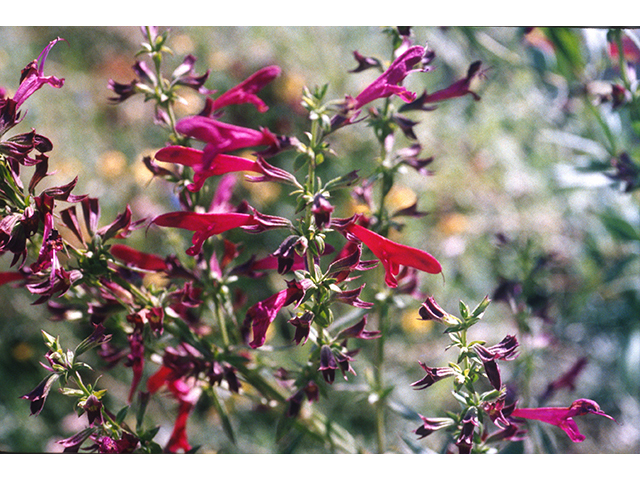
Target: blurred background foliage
{"points": [[520, 209]]}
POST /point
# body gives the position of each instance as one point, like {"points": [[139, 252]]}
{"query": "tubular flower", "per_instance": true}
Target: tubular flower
{"points": [[206, 225], [263, 313], [245, 91], [562, 416], [33, 78], [387, 84], [392, 254], [220, 165], [222, 137], [187, 397], [141, 260]]}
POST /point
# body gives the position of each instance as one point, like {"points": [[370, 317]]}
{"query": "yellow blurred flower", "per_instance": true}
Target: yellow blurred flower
{"points": [[453, 224], [112, 164], [263, 193], [400, 197], [158, 280], [411, 324]]}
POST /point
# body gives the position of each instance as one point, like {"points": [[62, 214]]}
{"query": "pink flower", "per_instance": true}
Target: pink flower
{"points": [[563, 417], [263, 313], [32, 78], [222, 137], [391, 254], [219, 165], [206, 225], [388, 83], [245, 92]]}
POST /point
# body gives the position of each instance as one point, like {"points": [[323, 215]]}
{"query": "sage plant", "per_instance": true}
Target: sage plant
{"points": [[196, 330]]}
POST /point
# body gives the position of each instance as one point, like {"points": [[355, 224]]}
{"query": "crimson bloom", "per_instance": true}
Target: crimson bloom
{"points": [[391, 254], [206, 225], [223, 137], [144, 261], [219, 165], [245, 91], [187, 397], [562, 416]]}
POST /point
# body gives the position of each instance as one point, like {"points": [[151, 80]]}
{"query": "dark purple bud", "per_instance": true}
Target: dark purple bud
{"points": [[430, 310], [303, 327], [351, 297], [430, 425], [286, 252], [364, 63], [465, 440], [322, 211], [72, 444], [328, 365], [91, 211], [122, 90], [39, 395], [294, 404], [433, 375], [358, 331], [93, 407]]}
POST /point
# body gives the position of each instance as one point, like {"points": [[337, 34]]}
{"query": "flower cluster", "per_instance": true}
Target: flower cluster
{"points": [[206, 318]]}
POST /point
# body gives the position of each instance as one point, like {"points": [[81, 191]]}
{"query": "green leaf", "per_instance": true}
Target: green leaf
{"points": [[122, 414], [224, 416], [482, 306], [619, 228], [464, 310]]}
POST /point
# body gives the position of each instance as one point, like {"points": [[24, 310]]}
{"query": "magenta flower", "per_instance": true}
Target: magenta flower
{"points": [[388, 83], [391, 254], [206, 225], [222, 137], [33, 78], [263, 313], [245, 91], [562, 416], [220, 165]]}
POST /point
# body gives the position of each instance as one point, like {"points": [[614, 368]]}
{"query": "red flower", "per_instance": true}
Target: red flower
{"points": [[206, 225], [187, 397], [245, 91], [392, 254], [219, 165], [562, 416], [144, 261], [222, 137]]}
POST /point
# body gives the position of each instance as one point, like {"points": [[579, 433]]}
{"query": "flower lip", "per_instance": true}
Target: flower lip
{"points": [[562, 417]]}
